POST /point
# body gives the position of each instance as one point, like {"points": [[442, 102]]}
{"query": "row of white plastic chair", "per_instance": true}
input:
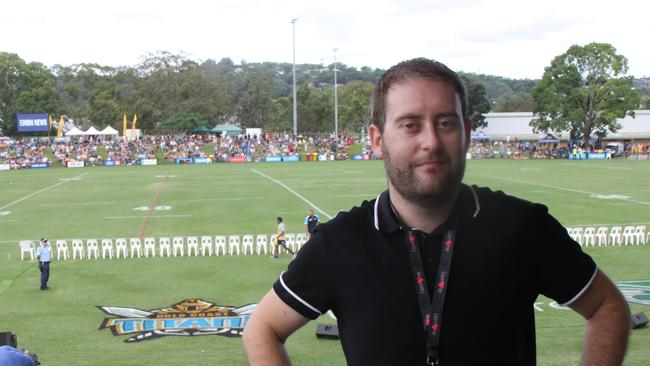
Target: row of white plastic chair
{"points": [[166, 246], [603, 235]]}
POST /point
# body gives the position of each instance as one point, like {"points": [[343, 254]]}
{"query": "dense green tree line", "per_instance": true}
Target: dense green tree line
{"points": [[173, 94]]}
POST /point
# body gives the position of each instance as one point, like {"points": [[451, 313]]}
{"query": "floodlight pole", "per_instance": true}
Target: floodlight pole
{"points": [[336, 103], [295, 104]]}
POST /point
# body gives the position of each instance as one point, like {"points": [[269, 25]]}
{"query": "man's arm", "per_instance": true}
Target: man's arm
{"points": [[608, 322], [269, 326]]}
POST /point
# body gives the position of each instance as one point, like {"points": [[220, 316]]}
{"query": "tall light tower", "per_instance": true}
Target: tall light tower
{"points": [[336, 102], [295, 104]]}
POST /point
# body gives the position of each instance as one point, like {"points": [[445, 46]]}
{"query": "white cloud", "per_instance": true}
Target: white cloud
{"points": [[504, 37]]}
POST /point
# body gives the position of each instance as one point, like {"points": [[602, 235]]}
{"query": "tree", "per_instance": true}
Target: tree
{"points": [[182, 122], [24, 88], [354, 105], [584, 91], [477, 103]]}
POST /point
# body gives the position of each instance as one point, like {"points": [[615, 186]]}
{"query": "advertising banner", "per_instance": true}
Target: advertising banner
{"points": [[109, 162], [183, 160], [322, 157], [273, 159], [32, 122], [238, 159], [357, 157], [39, 165], [75, 164], [5, 167], [597, 156], [148, 162], [202, 161], [291, 158]]}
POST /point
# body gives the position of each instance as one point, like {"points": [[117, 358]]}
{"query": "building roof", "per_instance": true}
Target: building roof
{"points": [[516, 125]]}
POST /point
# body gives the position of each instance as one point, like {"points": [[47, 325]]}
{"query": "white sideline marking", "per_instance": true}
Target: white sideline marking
{"points": [[40, 191], [563, 188], [142, 216], [76, 204], [292, 191]]}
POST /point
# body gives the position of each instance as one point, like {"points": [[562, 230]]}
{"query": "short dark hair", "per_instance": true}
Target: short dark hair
{"points": [[279, 218], [417, 67]]}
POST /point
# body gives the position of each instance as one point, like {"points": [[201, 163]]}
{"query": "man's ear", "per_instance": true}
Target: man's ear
{"points": [[468, 132], [375, 140]]}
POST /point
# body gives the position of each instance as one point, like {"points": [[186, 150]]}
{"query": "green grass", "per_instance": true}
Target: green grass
{"points": [[62, 325]]}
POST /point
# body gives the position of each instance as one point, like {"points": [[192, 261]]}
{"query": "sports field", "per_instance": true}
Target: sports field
{"points": [[61, 325]]}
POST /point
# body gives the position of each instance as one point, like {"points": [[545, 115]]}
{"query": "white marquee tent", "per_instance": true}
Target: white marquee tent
{"points": [[74, 132], [109, 131], [92, 131]]}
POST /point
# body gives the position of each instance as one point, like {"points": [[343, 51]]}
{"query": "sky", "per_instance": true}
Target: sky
{"points": [[509, 38]]}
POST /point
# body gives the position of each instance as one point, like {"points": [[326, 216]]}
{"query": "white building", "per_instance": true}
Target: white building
{"points": [[516, 126]]}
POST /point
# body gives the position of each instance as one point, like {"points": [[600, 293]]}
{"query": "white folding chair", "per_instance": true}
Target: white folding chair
{"points": [[92, 247], [120, 247], [274, 245], [628, 235], [291, 242], [77, 247], [107, 247], [233, 243], [164, 246], [301, 239], [26, 246], [262, 243], [61, 249], [589, 236], [136, 247], [576, 234], [178, 243], [192, 243], [615, 235], [220, 243], [206, 245], [247, 242], [150, 246], [601, 235], [639, 233]]}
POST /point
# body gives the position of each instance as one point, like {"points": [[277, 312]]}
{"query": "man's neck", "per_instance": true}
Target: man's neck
{"points": [[426, 218]]}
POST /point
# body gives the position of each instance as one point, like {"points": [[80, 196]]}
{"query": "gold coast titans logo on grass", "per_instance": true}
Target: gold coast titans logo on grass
{"points": [[637, 292], [187, 318]]}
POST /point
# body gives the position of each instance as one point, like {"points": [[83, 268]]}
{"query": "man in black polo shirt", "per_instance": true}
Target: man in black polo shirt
{"points": [[385, 269]]}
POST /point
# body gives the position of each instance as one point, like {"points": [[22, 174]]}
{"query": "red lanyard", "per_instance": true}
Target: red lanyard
{"points": [[431, 309]]}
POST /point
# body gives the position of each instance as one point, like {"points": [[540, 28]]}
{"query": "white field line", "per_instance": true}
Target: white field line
{"points": [[40, 191], [563, 188], [292, 191], [143, 216]]}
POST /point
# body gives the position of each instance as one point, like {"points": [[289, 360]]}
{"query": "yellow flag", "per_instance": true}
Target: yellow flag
{"points": [[49, 116], [124, 125], [59, 133], [135, 118]]}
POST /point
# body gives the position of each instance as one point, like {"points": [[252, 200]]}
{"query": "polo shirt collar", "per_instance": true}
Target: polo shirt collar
{"points": [[466, 209]]}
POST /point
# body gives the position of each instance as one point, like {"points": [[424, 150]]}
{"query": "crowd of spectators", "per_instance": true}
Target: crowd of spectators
{"points": [[482, 149], [94, 151]]}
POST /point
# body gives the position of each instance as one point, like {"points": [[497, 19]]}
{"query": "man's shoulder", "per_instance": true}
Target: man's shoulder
{"points": [[355, 219], [488, 197]]}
